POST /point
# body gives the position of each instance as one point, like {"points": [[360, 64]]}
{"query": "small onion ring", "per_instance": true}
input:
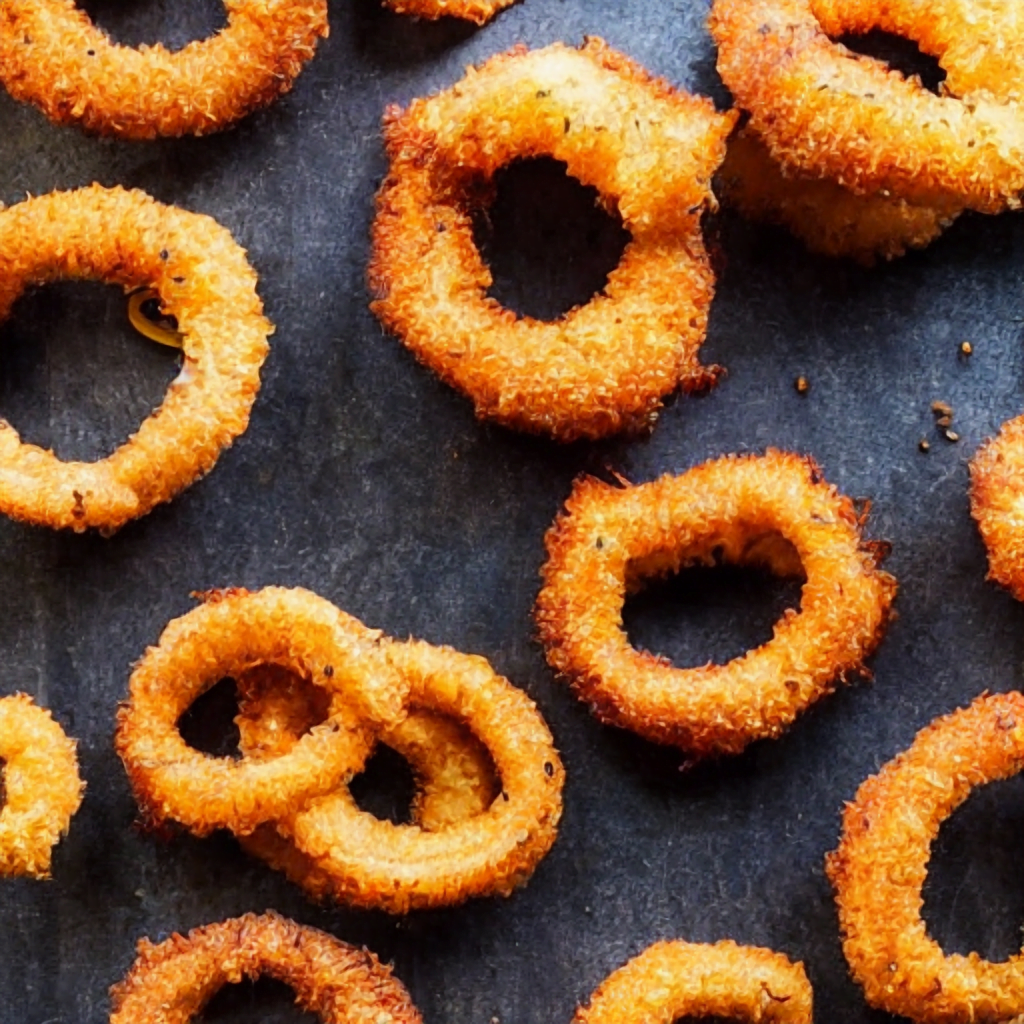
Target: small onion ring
{"points": [[649, 150], [205, 283], [53, 56], [880, 866], [171, 982], [41, 785], [743, 510], [477, 11], [670, 981]]}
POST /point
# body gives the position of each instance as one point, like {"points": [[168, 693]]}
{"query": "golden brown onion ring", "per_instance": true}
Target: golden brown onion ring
{"points": [[477, 11], [880, 866], [773, 511]]}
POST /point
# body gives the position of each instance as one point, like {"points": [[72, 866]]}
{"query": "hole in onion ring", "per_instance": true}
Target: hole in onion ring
{"points": [[973, 901], [75, 376], [144, 22], [902, 55], [209, 723], [263, 1001], [386, 786], [548, 243]]}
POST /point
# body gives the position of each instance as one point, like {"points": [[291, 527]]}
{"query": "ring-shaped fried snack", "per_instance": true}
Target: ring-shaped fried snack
{"points": [[204, 282], [997, 504], [833, 113], [477, 11], [53, 56], [650, 152], [171, 982], [41, 786], [672, 981], [228, 634], [879, 869], [774, 511]]}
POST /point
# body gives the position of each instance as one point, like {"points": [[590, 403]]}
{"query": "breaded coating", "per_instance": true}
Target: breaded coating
{"points": [[997, 504], [477, 11], [53, 56], [204, 281], [171, 982], [882, 860], [672, 981], [41, 786], [774, 511], [828, 112], [648, 149]]}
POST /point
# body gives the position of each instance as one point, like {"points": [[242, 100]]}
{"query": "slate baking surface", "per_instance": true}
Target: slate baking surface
{"points": [[365, 479]]}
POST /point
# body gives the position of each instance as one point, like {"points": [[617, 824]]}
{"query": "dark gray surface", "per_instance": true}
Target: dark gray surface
{"points": [[365, 479]]}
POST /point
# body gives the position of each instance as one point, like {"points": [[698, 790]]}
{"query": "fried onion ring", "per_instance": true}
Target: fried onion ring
{"points": [[228, 634], [882, 860], [205, 283], [997, 504], [773, 511], [41, 786], [171, 982], [671, 981], [54, 57], [477, 11], [832, 113], [649, 150]]}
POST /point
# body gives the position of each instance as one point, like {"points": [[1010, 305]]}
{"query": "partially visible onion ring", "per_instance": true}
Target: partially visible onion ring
{"points": [[477, 11]]}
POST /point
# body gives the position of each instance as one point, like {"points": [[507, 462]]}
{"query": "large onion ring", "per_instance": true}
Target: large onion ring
{"points": [[774, 511], [226, 635], [649, 150], [671, 981], [882, 860], [41, 786], [53, 56], [170, 983], [204, 281], [833, 113]]}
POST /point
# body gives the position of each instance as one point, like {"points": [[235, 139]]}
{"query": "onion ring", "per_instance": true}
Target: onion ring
{"points": [[230, 633], [53, 56], [205, 282], [41, 786], [774, 511], [997, 504], [829, 112], [882, 860], [670, 981], [170, 983], [649, 150], [477, 11]]}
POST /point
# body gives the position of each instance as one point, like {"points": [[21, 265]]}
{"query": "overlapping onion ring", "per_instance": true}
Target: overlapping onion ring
{"points": [[53, 56], [649, 150], [882, 860], [997, 504], [228, 634], [204, 281], [171, 982], [672, 981], [41, 788], [477, 11], [773, 511], [829, 112]]}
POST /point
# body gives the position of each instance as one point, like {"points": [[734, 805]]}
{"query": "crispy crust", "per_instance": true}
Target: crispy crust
{"points": [[204, 280], [670, 981], [880, 866], [477, 11], [831, 113], [826, 217], [225, 636], [53, 56], [41, 785], [648, 149], [741, 510], [170, 983], [997, 504]]}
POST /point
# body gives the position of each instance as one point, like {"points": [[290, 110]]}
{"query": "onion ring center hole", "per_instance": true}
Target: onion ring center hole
{"points": [[263, 1001], [712, 614], [145, 22], [75, 376], [549, 242], [973, 899], [902, 55], [386, 787], [208, 724]]}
